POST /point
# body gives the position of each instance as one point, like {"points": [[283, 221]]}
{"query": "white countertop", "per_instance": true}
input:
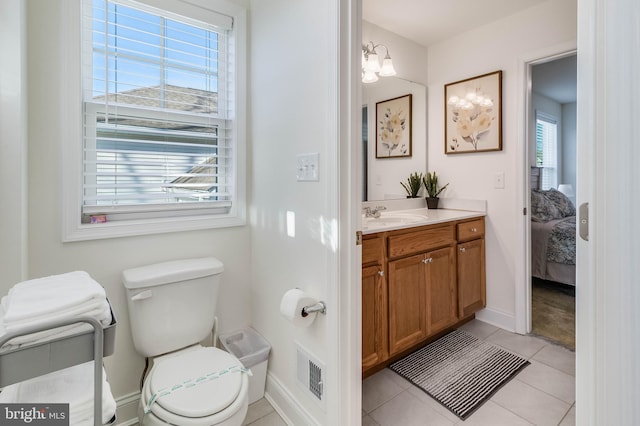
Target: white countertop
{"points": [[402, 219]]}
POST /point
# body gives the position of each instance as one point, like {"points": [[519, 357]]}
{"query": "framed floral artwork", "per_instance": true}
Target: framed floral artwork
{"points": [[473, 114], [393, 127]]}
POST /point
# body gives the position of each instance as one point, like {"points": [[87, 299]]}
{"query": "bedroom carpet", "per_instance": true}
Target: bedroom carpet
{"points": [[460, 371], [553, 308]]}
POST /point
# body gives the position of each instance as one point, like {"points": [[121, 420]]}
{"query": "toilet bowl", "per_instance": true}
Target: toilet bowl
{"points": [[172, 308], [219, 399]]}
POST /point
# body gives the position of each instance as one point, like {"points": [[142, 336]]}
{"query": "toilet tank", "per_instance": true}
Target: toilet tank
{"points": [[172, 304]]}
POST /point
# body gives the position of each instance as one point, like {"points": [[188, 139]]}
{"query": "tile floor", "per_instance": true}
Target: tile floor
{"points": [[541, 394], [261, 413]]}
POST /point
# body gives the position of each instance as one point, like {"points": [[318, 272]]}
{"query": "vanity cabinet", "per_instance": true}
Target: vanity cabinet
{"points": [[434, 278], [374, 303], [407, 303], [422, 284], [471, 267], [442, 293]]}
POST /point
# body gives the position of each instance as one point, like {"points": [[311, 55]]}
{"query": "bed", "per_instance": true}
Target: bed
{"points": [[553, 237]]}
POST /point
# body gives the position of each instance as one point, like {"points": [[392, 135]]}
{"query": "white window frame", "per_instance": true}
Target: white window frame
{"points": [[549, 165], [72, 133]]}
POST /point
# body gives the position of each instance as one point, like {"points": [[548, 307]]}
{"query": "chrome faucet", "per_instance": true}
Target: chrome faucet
{"points": [[373, 211]]}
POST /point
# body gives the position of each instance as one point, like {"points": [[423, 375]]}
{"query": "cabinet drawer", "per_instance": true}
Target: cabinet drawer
{"points": [[373, 251], [471, 230], [419, 241]]}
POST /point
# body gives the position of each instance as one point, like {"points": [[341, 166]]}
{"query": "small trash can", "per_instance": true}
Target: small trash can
{"points": [[253, 351]]}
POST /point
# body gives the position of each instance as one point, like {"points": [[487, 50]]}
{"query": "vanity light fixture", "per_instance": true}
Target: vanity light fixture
{"points": [[371, 68], [470, 101]]}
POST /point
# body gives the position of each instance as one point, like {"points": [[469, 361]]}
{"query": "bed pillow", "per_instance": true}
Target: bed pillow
{"points": [[543, 209], [562, 202]]}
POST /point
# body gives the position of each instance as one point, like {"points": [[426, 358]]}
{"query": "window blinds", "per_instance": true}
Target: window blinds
{"points": [[547, 150], [157, 133]]}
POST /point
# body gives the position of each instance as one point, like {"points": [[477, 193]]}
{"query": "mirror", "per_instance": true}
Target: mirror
{"points": [[382, 176]]}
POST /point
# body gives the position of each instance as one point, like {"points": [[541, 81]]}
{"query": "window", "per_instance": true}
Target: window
{"points": [[162, 121], [547, 150]]}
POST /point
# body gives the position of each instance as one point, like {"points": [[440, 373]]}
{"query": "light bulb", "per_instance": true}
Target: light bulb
{"points": [[387, 69], [373, 64], [369, 77]]}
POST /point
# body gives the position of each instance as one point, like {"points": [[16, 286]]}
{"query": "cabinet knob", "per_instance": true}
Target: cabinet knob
{"points": [[381, 273], [427, 260], [474, 229], [462, 249]]}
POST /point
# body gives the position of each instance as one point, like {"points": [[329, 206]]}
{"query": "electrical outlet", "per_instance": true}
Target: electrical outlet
{"points": [[307, 167], [498, 180]]}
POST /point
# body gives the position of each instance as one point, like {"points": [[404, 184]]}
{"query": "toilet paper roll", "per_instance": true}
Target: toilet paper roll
{"points": [[291, 307]]}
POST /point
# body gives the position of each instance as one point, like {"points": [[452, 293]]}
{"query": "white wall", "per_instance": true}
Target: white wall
{"points": [[409, 58], [291, 99], [105, 259], [13, 143], [569, 144], [477, 52]]}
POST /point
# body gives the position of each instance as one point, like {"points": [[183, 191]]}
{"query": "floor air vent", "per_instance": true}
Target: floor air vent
{"points": [[310, 374]]}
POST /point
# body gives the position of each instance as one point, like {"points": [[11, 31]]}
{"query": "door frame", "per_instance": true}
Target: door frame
{"points": [[346, 325], [523, 266]]}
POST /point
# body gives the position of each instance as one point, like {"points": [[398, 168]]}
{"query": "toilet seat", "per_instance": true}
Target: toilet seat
{"points": [[204, 397]]}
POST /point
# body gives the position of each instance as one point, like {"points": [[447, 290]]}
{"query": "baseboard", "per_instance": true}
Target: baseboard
{"points": [[278, 396], [127, 409], [504, 320], [285, 404]]}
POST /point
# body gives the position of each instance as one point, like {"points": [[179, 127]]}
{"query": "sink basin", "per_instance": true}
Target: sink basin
{"points": [[393, 219]]}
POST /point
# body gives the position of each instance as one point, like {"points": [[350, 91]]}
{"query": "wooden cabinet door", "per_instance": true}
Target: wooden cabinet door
{"points": [[407, 303], [471, 277], [442, 297], [374, 317]]}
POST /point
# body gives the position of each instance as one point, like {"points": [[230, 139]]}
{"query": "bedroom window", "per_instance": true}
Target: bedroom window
{"points": [[160, 116], [547, 149]]}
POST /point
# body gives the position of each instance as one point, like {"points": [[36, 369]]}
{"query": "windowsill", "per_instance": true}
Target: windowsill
{"points": [[130, 228]]}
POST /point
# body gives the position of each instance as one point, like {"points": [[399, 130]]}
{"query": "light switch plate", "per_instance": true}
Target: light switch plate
{"points": [[307, 167], [498, 180]]}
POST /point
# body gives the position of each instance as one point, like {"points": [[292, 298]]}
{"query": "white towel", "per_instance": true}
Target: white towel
{"points": [[72, 385], [98, 309], [41, 301], [44, 296]]}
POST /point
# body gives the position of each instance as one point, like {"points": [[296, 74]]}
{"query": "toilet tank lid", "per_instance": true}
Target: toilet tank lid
{"points": [[173, 271]]}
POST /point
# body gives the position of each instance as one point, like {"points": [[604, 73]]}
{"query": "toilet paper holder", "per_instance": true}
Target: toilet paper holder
{"points": [[316, 307]]}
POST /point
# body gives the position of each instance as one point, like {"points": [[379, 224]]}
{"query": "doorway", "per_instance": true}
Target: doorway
{"points": [[551, 159]]}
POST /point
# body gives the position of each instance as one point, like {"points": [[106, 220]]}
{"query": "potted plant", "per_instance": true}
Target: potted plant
{"points": [[413, 184], [430, 181]]}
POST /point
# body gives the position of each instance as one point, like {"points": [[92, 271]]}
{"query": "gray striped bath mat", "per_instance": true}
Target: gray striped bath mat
{"points": [[460, 371]]}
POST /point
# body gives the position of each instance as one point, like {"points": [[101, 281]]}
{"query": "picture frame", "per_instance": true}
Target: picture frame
{"points": [[473, 114], [394, 127]]}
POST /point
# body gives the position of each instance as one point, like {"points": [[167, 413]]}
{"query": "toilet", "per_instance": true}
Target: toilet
{"points": [[172, 308]]}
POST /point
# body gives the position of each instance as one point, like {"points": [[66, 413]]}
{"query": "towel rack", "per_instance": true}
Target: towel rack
{"points": [[59, 353]]}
